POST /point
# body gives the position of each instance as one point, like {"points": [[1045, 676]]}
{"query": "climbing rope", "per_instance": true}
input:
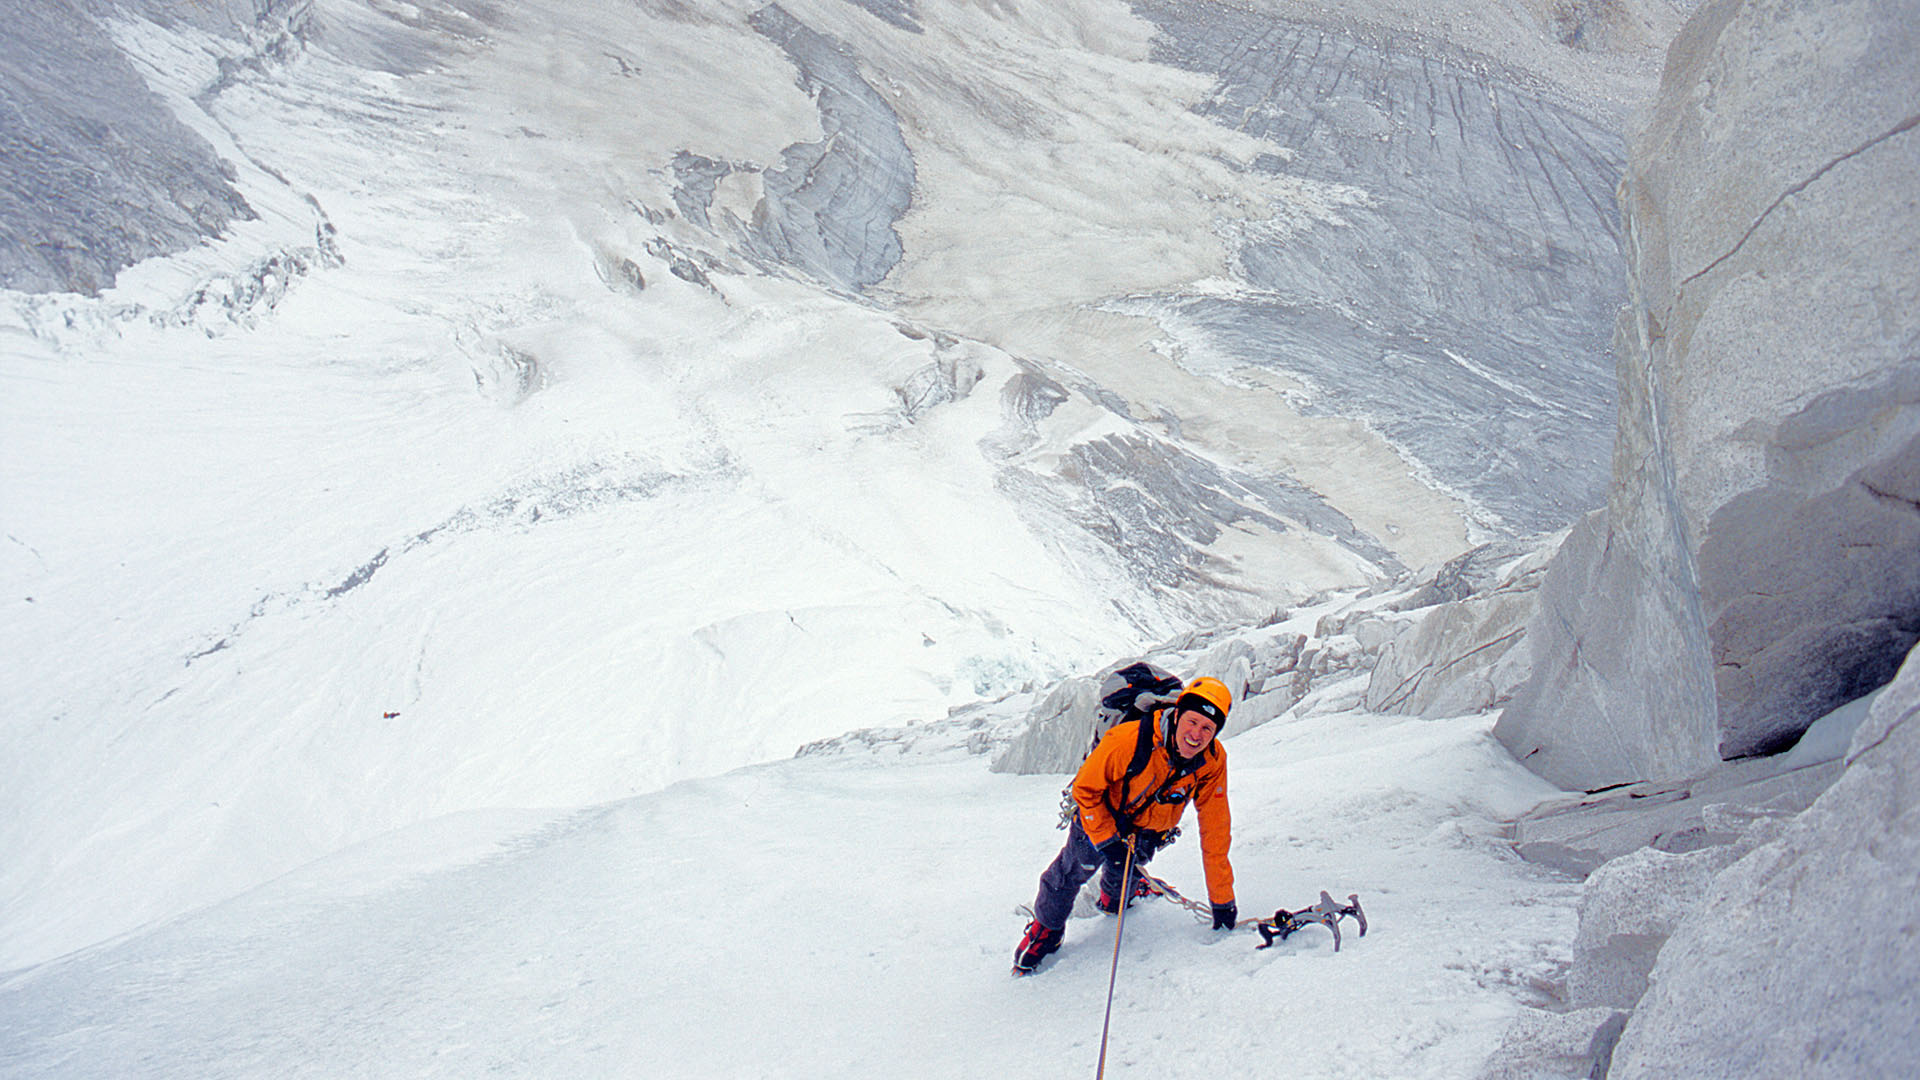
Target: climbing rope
{"points": [[1155, 885], [1113, 976]]}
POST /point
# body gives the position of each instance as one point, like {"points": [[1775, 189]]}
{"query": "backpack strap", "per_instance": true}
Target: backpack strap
{"points": [[1142, 751]]}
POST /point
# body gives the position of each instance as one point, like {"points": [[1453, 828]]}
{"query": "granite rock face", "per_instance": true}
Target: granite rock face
{"points": [[1758, 562], [1466, 652], [1803, 958]]}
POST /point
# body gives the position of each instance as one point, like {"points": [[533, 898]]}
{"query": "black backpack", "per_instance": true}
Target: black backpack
{"points": [[1132, 692]]}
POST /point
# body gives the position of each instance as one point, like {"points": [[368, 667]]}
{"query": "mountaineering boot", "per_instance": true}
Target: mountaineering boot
{"points": [[1035, 945]]}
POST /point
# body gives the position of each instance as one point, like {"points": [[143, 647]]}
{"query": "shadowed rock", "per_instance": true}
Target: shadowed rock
{"points": [[1801, 958]]}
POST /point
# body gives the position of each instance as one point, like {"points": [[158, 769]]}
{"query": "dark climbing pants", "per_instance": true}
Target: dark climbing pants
{"points": [[1070, 869]]}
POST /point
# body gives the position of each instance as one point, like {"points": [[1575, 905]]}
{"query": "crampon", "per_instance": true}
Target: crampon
{"points": [[1327, 913]]}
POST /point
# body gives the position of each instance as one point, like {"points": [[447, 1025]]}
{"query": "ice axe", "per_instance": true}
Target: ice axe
{"points": [[1327, 913]]}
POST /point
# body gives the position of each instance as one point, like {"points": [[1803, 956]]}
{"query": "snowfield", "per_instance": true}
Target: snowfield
{"points": [[414, 588], [849, 913]]}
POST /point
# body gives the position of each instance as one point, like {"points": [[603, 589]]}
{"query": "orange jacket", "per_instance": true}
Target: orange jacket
{"points": [[1096, 791]]}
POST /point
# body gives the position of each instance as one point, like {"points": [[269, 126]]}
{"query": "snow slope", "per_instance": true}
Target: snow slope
{"points": [[560, 421], [848, 914]]}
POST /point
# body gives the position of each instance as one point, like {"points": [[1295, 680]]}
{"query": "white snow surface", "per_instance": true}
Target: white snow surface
{"points": [[400, 653], [849, 914]]}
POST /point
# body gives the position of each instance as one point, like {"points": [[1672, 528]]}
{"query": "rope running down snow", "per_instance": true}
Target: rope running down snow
{"points": [[1155, 885], [1126, 886]]}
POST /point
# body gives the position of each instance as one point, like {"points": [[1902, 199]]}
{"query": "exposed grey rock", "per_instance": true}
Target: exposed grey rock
{"points": [[1604, 26], [1157, 507], [1461, 658], [400, 39], [1759, 560], [1620, 687], [900, 13], [1811, 582], [950, 377], [1025, 400], [1057, 732], [828, 209], [1652, 853], [1579, 833], [618, 272], [1338, 684], [1542, 1045], [1803, 959], [98, 173], [695, 178], [1477, 272], [1796, 395], [1260, 666], [1480, 569], [1627, 910], [1275, 682], [1465, 654]]}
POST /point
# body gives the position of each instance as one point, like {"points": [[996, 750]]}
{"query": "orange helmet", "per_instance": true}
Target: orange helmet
{"points": [[1207, 696]]}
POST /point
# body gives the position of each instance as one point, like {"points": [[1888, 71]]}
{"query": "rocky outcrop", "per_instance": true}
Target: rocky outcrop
{"points": [[1654, 855], [1581, 833], [1465, 653], [1443, 643], [1268, 669], [1758, 562], [1803, 958]]}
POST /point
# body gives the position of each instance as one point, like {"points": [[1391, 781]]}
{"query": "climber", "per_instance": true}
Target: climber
{"points": [[1133, 789]]}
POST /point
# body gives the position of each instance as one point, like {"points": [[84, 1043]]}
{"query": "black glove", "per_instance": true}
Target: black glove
{"points": [[1225, 915], [1114, 850]]}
